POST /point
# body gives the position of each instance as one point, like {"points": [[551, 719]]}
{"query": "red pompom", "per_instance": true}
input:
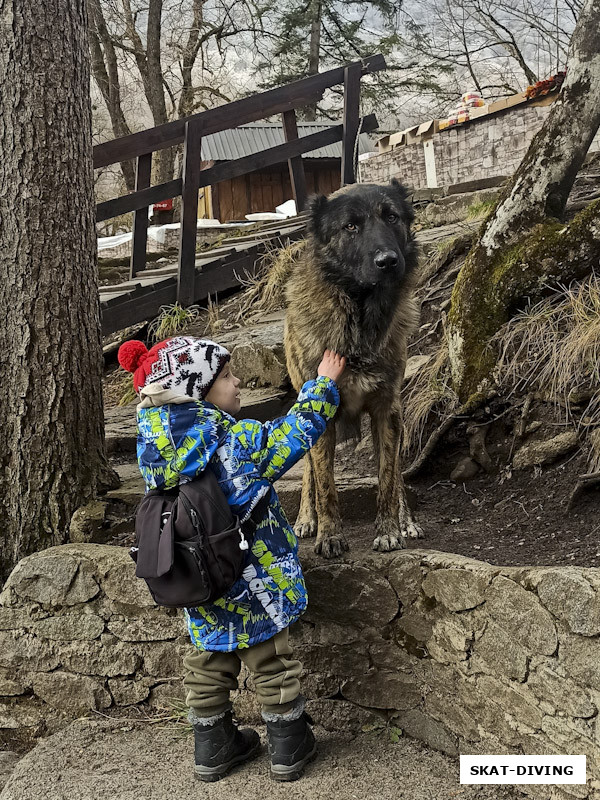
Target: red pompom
{"points": [[131, 354]]}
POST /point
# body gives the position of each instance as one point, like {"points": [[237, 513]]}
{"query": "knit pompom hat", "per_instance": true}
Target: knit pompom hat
{"points": [[184, 365]]}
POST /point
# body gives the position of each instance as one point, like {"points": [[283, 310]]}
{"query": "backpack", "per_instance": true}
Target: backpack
{"points": [[190, 548]]}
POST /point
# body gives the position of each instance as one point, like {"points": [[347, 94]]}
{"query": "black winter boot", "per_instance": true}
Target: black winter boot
{"points": [[219, 746], [291, 742]]}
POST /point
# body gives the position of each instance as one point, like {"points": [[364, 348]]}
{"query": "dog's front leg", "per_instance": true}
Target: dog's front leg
{"points": [[393, 522], [306, 521], [330, 538]]}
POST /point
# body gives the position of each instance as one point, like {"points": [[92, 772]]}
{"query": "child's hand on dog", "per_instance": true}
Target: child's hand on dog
{"points": [[332, 366]]}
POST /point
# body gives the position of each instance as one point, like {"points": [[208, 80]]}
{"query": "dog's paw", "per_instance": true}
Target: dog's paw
{"points": [[330, 546], [388, 542], [410, 530], [304, 530]]}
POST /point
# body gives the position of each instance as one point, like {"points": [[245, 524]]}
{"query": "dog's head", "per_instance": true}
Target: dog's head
{"points": [[363, 237]]}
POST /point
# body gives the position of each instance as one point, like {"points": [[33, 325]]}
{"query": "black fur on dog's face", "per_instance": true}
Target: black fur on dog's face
{"points": [[363, 236]]}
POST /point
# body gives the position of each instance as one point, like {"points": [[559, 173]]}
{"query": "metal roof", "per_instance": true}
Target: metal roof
{"points": [[256, 136]]}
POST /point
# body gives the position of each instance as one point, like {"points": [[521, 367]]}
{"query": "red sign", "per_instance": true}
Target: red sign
{"points": [[164, 205]]}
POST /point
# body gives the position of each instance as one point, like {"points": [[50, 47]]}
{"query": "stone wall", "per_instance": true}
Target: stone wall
{"points": [[467, 657], [488, 147]]}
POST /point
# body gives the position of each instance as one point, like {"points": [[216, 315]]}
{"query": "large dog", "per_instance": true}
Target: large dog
{"points": [[352, 291]]}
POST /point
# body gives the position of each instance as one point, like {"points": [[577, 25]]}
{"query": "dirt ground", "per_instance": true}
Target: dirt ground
{"points": [[122, 759]]}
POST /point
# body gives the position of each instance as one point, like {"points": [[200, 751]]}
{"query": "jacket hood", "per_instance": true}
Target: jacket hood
{"points": [[176, 442]]}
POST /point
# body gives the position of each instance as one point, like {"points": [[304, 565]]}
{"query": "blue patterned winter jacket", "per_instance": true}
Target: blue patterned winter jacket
{"points": [[176, 442]]}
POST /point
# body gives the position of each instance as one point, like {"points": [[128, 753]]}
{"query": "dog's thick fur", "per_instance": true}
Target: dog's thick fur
{"points": [[352, 292]]}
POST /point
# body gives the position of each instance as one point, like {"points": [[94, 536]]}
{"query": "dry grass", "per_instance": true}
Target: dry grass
{"points": [[118, 388], [553, 348], [266, 292], [428, 390]]}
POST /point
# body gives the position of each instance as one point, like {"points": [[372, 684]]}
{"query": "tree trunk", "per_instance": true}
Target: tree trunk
{"points": [[106, 74], [310, 112], [51, 427], [521, 250]]}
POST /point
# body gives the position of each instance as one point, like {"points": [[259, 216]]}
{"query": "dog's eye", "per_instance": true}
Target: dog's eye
{"points": [[351, 227], [392, 218]]}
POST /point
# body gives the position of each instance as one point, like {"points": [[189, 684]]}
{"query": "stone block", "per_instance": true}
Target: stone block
{"points": [[580, 658], [148, 628], [52, 577], [23, 651], [420, 726], [560, 691], [456, 589], [380, 689], [406, 577], [107, 657], [497, 651], [165, 660], [569, 596], [126, 692], [522, 616], [71, 692], [69, 627], [361, 597]]}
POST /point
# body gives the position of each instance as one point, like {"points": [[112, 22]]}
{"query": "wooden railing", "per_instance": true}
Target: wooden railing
{"points": [[189, 131]]}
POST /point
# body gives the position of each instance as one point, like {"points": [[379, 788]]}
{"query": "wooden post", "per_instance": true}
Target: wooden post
{"points": [[351, 122], [295, 165], [189, 214], [140, 217]]}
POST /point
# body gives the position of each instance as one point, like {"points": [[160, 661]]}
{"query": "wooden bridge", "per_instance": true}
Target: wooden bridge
{"points": [[197, 275]]}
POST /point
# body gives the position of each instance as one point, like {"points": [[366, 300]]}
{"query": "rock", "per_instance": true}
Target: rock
{"points": [[14, 618], [256, 365], [8, 761], [500, 653], [521, 614], [387, 655], [316, 685], [379, 689], [121, 585], [107, 657], [165, 660], [52, 577], [24, 651], [415, 622], [87, 521], [71, 692], [464, 470], [338, 715], [129, 692], [148, 629], [580, 658], [456, 589], [15, 716], [69, 627], [538, 452], [518, 701], [268, 334], [13, 683], [417, 724], [559, 691], [406, 576], [568, 596], [444, 708], [167, 695], [349, 595], [449, 641], [120, 429], [334, 659]]}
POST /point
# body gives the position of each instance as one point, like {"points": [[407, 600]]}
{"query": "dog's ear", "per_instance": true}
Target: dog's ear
{"points": [[316, 211], [401, 195]]}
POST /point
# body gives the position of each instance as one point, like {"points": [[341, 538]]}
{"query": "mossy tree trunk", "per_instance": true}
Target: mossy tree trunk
{"points": [[51, 427], [523, 246]]}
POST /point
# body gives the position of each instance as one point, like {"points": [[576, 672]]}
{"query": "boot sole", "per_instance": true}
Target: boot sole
{"points": [[212, 774], [280, 772]]}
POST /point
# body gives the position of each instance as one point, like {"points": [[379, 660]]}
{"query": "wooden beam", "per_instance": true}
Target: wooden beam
{"points": [[140, 218], [189, 213], [135, 200], [249, 109], [230, 169], [295, 165], [352, 76]]}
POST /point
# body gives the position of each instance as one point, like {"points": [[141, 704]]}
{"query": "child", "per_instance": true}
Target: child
{"points": [[188, 396]]}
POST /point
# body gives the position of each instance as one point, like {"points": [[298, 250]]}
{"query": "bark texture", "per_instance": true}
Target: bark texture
{"points": [[52, 457], [523, 246]]}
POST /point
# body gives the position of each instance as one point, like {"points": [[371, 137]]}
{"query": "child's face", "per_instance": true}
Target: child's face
{"points": [[225, 392]]}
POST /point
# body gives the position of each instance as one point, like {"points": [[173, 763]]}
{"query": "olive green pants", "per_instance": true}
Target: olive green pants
{"points": [[211, 676]]}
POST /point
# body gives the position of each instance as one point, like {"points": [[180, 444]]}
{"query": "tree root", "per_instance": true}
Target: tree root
{"points": [[584, 482]]}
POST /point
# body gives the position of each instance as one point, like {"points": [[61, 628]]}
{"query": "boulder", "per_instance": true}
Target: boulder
{"points": [[71, 692], [456, 589], [538, 453]]}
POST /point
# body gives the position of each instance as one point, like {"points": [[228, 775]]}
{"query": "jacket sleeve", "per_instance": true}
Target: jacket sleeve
{"points": [[285, 440]]}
